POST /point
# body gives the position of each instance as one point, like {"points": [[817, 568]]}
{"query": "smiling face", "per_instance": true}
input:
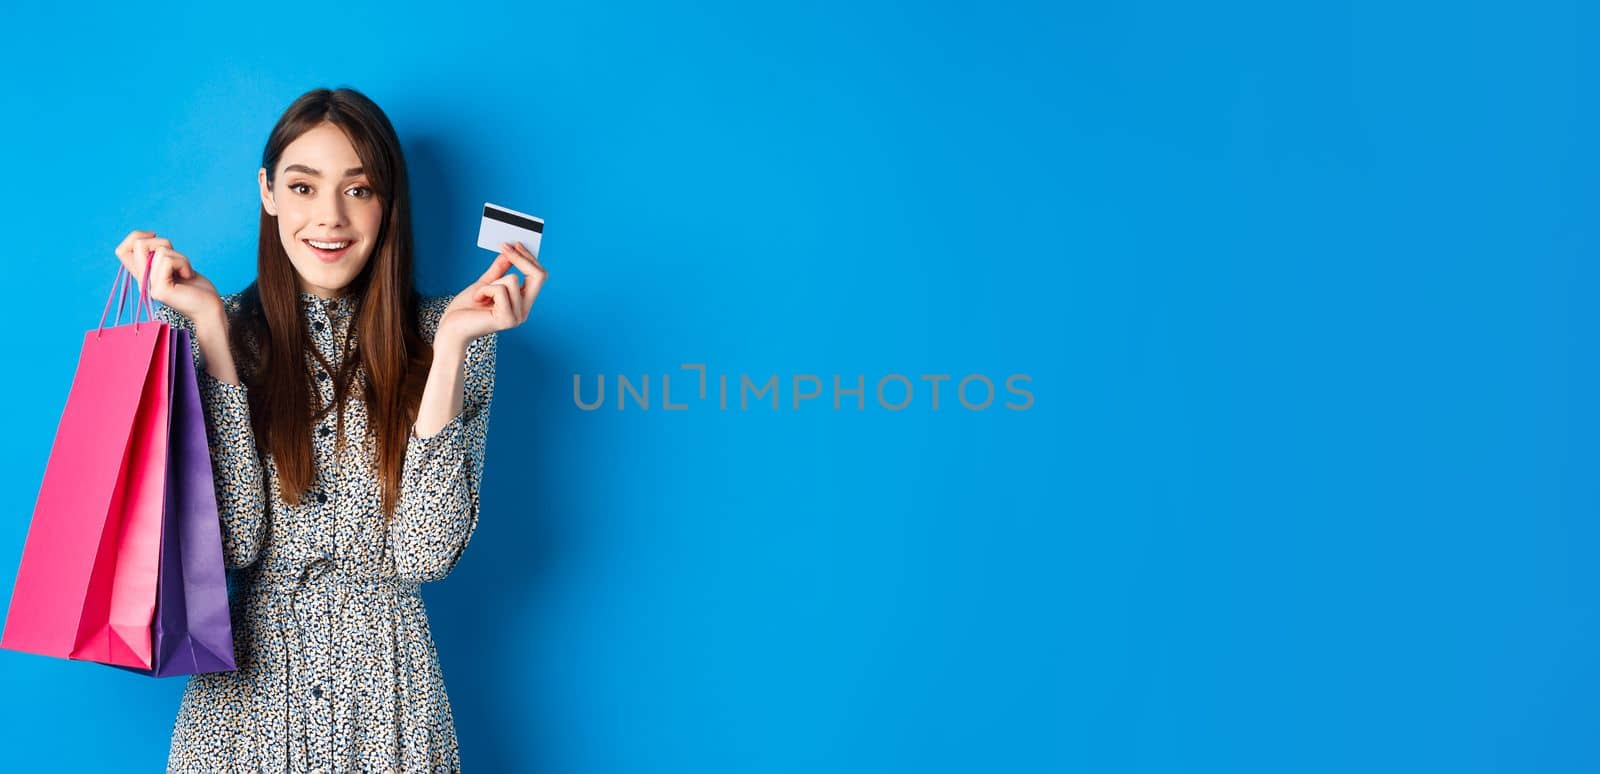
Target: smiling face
{"points": [[328, 216]]}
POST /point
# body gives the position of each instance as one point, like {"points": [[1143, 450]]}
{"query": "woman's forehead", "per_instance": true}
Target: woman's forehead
{"points": [[322, 151]]}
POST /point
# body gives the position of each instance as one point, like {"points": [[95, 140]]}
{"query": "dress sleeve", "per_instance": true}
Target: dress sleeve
{"points": [[438, 507], [235, 467]]}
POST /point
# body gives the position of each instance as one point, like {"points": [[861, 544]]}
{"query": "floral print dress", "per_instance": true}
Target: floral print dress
{"points": [[337, 669]]}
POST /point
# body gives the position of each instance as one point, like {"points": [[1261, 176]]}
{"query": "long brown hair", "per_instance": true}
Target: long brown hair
{"points": [[386, 343]]}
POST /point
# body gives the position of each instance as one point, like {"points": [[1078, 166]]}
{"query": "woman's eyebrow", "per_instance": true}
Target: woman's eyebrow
{"points": [[351, 172]]}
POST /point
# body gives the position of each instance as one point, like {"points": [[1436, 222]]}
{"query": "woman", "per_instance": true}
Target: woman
{"points": [[346, 416]]}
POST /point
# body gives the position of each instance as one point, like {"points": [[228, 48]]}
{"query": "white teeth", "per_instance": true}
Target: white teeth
{"points": [[327, 245]]}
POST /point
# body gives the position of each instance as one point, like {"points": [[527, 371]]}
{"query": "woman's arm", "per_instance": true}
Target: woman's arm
{"points": [[438, 508], [236, 469], [439, 482], [442, 396], [210, 333]]}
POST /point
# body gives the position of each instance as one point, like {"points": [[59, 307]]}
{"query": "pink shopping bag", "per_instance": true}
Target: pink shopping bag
{"points": [[86, 588]]}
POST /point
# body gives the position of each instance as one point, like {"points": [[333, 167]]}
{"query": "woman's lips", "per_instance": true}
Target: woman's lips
{"points": [[329, 256]]}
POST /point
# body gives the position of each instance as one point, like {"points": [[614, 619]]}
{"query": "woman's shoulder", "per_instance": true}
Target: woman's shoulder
{"points": [[430, 309], [232, 303]]}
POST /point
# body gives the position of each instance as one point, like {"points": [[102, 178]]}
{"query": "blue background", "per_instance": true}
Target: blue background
{"points": [[1307, 484]]}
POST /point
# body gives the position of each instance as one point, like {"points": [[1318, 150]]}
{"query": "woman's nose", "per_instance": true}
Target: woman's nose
{"points": [[330, 211]]}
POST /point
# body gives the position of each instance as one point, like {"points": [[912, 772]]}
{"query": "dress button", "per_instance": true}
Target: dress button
{"points": [[323, 431], [322, 375], [320, 325], [316, 692], [321, 498]]}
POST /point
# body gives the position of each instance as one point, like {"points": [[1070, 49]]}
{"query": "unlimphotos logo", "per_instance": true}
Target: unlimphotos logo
{"points": [[894, 392]]}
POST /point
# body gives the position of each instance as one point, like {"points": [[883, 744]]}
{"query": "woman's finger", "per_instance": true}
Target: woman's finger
{"points": [[535, 275], [530, 256], [501, 311], [526, 262], [147, 245], [180, 264], [496, 269], [141, 254], [483, 296], [513, 284], [125, 247], [507, 311], [161, 270], [174, 263], [488, 291]]}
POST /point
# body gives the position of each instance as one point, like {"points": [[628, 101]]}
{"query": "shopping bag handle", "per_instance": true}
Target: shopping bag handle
{"points": [[144, 296], [119, 289]]}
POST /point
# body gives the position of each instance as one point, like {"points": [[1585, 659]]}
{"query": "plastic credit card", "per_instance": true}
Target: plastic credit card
{"points": [[505, 225]]}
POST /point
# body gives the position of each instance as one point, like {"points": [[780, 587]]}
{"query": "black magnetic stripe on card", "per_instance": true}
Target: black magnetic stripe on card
{"points": [[514, 220]]}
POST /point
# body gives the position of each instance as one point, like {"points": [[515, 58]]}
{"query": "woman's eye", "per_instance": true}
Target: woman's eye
{"points": [[365, 191], [297, 186]]}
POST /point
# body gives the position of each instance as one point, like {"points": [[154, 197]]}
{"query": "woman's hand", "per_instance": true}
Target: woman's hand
{"points": [[173, 281], [496, 302]]}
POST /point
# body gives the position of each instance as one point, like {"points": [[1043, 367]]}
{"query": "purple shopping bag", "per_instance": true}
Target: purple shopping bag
{"points": [[192, 630]]}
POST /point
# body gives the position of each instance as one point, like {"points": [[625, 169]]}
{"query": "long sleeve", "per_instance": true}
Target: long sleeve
{"points": [[438, 507], [236, 467]]}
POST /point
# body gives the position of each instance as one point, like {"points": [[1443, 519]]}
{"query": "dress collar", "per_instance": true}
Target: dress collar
{"points": [[339, 305]]}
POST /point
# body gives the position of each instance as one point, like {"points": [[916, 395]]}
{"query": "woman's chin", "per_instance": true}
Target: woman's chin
{"points": [[336, 274]]}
